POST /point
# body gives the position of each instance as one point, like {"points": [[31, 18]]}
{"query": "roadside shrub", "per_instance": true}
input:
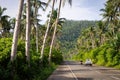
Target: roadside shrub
{"points": [[19, 69], [117, 66], [86, 56], [94, 54], [110, 54], [57, 57], [5, 49], [101, 57], [116, 59]]}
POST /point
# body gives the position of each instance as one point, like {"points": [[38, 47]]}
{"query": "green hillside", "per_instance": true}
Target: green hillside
{"points": [[71, 30]]}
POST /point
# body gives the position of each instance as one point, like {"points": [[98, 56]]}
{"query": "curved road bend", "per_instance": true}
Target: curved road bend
{"points": [[71, 70]]}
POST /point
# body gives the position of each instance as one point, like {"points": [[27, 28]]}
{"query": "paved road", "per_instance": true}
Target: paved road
{"points": [[71, 70]]}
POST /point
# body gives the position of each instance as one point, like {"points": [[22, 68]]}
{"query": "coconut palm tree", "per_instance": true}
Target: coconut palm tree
{"points": [[55, 28], [28, 31], [92, 36], [2, 17], [16, 31], [4, 22], [46, 33], [23, 21], [111, 14], [36, 5], [102, 32], [54, 31], [49, 22]]}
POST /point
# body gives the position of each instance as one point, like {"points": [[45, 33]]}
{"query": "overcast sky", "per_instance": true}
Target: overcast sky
{"points": [[80, 10]]}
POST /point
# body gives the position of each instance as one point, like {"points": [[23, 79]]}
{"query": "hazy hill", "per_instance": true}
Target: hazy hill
{"points": [[71, 31]]}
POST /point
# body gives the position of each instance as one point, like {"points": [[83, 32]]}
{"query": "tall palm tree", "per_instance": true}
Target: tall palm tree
{"points": [[46, 33], [54, 31], [16, 31], [23, 21], [2, 17], [49, 22], [28, 31], [4, 22], [36, 5], [55, 28], [6, 28], [92, 36], [87, 35], [111, 14]]}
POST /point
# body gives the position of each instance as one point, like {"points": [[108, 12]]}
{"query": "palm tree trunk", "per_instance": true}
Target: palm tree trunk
{"points": [[50, 52], [93, 41], [28, 28], [36, 29], [16, 31], [46, 33], [36, 37]]}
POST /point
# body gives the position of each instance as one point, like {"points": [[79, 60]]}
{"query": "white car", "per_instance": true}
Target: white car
{"points": [[88, 62]]}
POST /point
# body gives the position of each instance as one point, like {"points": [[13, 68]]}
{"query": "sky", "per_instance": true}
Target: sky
{"points": [[80, 9]]}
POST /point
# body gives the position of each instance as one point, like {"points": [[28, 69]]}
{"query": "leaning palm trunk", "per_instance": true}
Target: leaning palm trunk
{"points": [[58, 14], [46, 33], [16, 31], [28, 28]]}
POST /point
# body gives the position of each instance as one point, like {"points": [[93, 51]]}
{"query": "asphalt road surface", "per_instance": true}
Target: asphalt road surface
{"points": [[71, 70]]}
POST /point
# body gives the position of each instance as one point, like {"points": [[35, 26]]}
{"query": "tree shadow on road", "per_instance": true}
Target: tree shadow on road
{"points": [[68, 78], [85, 78]]}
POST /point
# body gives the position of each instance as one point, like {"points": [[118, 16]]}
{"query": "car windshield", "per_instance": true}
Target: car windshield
{"points": [[88, 61]]}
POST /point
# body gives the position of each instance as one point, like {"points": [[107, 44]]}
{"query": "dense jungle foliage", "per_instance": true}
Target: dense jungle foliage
{"points": [[20, 70]]}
